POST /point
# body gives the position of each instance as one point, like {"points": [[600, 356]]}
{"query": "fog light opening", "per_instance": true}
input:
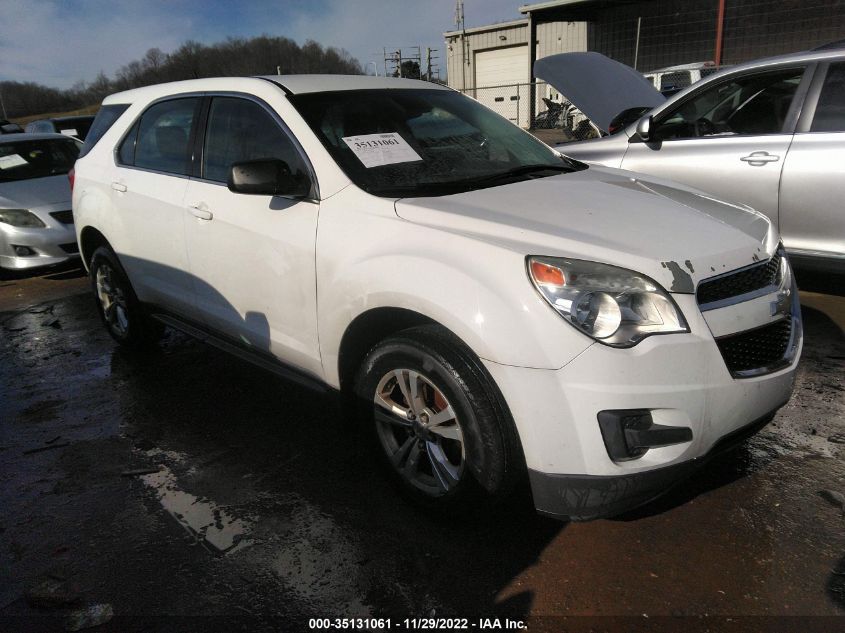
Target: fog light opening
{"points": [[23, 251]]}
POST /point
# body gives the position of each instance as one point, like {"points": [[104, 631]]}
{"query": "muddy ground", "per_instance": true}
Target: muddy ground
{"points": [[190, 491]]}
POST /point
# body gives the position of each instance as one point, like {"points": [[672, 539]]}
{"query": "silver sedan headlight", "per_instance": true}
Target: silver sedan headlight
{"points": [[615, 306], [21, 218]]}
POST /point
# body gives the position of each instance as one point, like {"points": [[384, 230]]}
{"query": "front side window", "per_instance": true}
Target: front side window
{"points": [[746, 106], [241, 130], [830, 109], [417, 142], [23, 160], [161, 142]]}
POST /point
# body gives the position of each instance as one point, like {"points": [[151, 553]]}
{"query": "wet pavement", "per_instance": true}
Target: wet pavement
{"points": [[188, 490]]}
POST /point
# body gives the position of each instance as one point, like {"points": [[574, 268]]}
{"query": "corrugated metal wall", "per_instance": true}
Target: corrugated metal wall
{"points": [[477, 42], [757, 28], [561, 37], [552, 38]]}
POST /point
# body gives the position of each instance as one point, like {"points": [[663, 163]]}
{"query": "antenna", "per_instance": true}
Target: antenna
{"points": [[461, 24]]}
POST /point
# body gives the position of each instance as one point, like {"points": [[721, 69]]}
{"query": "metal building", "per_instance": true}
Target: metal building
{"points": [[645, 34]]}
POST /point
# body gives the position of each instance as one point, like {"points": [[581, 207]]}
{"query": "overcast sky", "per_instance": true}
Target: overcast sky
{"points": [[59, 42]]}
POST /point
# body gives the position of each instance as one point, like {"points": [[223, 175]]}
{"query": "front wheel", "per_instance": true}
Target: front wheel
{"points": [[437, 421], [119, 308]]}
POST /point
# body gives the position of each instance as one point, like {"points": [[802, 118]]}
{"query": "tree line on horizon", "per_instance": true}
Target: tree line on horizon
{"points": [[235, 57]]}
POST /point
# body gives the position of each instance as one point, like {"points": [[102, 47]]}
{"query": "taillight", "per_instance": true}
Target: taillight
{"points": [[71, 176]]}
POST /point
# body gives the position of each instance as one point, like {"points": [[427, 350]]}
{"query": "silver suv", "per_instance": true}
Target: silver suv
{"points": [[769, 134]]}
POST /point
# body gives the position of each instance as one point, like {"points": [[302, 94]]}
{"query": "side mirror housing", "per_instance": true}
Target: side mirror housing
{"points": [[267, 177], [644, 128]]}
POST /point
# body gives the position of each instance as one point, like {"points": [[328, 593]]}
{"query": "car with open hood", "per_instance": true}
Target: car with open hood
{"points": [[490, 311], [769, 134]]}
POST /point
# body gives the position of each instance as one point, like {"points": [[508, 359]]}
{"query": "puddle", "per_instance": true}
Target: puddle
{"points": [[321, 561], [211, 525]]}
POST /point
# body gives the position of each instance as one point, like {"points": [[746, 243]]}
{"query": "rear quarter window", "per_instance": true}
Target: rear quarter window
{"points": [[105, 118]]}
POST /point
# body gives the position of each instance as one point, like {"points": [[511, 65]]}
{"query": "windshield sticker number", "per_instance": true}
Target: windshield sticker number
{"points": [[71, 131], [12, 160], [375, 150]]}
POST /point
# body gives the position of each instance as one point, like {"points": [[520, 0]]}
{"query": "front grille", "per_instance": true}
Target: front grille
{"points": [[749, 279], [762, 348], [70, 248], [65, 217]]}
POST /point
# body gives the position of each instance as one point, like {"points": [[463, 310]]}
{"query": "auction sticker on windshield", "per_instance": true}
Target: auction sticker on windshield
{"points": [[375, 150], [12, 160]]}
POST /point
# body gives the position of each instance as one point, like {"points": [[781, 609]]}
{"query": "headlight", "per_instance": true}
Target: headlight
{"points": [[615, 306], [21, 217]]}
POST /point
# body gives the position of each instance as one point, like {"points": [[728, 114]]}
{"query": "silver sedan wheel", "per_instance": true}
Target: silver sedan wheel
{"points": [[112, 300], [419, 431]]}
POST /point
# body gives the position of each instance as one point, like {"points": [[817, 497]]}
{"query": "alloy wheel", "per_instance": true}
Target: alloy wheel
{"points": [[112, 300], [419, 431]]}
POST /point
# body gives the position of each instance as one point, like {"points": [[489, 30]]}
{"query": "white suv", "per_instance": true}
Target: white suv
{"points": [[491, 309]]}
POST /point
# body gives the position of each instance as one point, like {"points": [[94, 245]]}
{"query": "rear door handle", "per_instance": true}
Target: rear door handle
{"points": [[201, 211], [757, 159], [118, 186]]}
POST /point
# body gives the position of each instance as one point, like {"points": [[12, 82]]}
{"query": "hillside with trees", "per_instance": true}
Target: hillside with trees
{"points": [[235, 57]]}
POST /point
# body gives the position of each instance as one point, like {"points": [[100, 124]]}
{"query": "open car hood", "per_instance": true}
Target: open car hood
{"points": [[598, 86]]}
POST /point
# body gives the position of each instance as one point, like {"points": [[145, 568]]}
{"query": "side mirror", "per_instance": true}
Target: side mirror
{"points": [[267, 177], [644, 128]]}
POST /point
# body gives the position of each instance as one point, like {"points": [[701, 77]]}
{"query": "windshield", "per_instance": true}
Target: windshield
{"points": [[23, 160], [420, 142]]}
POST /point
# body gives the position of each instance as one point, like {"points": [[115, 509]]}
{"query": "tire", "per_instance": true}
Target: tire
{"points": [[457, 448], [119, 308]]}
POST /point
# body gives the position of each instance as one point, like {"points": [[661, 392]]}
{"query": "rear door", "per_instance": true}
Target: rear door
{"points": [[812, 190], [148, 189], [729, 139], [252, 256]]}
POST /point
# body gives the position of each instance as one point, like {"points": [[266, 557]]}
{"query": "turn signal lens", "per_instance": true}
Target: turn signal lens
{"points": [[546, 275]]}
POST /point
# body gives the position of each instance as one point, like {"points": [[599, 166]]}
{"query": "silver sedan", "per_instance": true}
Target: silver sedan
{"points": [[36, 221]]}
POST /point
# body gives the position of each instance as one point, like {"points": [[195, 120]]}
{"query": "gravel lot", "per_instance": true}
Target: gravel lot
{"points": [[188, 490]]}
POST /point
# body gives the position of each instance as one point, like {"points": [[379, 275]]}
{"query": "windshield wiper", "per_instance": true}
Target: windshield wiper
{"points": [[522, 170]]}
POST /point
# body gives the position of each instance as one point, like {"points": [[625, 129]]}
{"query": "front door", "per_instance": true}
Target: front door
{"points": [[730, 139], [252, 256]]}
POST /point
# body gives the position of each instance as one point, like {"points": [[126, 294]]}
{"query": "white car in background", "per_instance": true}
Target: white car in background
{"points": [[36, 221], [489, 308]]}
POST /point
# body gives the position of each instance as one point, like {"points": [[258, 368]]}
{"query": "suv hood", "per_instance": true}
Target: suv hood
{"points": [[675, 235], [35, 192], [598, 86]]}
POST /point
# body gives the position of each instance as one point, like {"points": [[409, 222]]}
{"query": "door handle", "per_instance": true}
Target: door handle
{"points": [[201, 211], [758, 159], [118, 186]]}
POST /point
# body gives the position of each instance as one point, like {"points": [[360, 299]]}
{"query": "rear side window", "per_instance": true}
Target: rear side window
{"points": [[830, 110], [240, 130], [105, 118], [163, 137]]}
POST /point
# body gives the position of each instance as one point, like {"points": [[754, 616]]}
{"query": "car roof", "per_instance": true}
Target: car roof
{"points": [[27, 136], [291, 84]]}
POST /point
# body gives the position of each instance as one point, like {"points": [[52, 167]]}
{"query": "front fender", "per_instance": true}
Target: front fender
{"points": [[479, 291]]}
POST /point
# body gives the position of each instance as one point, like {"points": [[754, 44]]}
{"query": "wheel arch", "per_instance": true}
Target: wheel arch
{"points": [[366, 330], [90, 239]]}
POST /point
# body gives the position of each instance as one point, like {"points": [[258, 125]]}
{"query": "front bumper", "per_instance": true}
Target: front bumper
{"points": [[587, 497], [54, 244], [682, 379]]}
